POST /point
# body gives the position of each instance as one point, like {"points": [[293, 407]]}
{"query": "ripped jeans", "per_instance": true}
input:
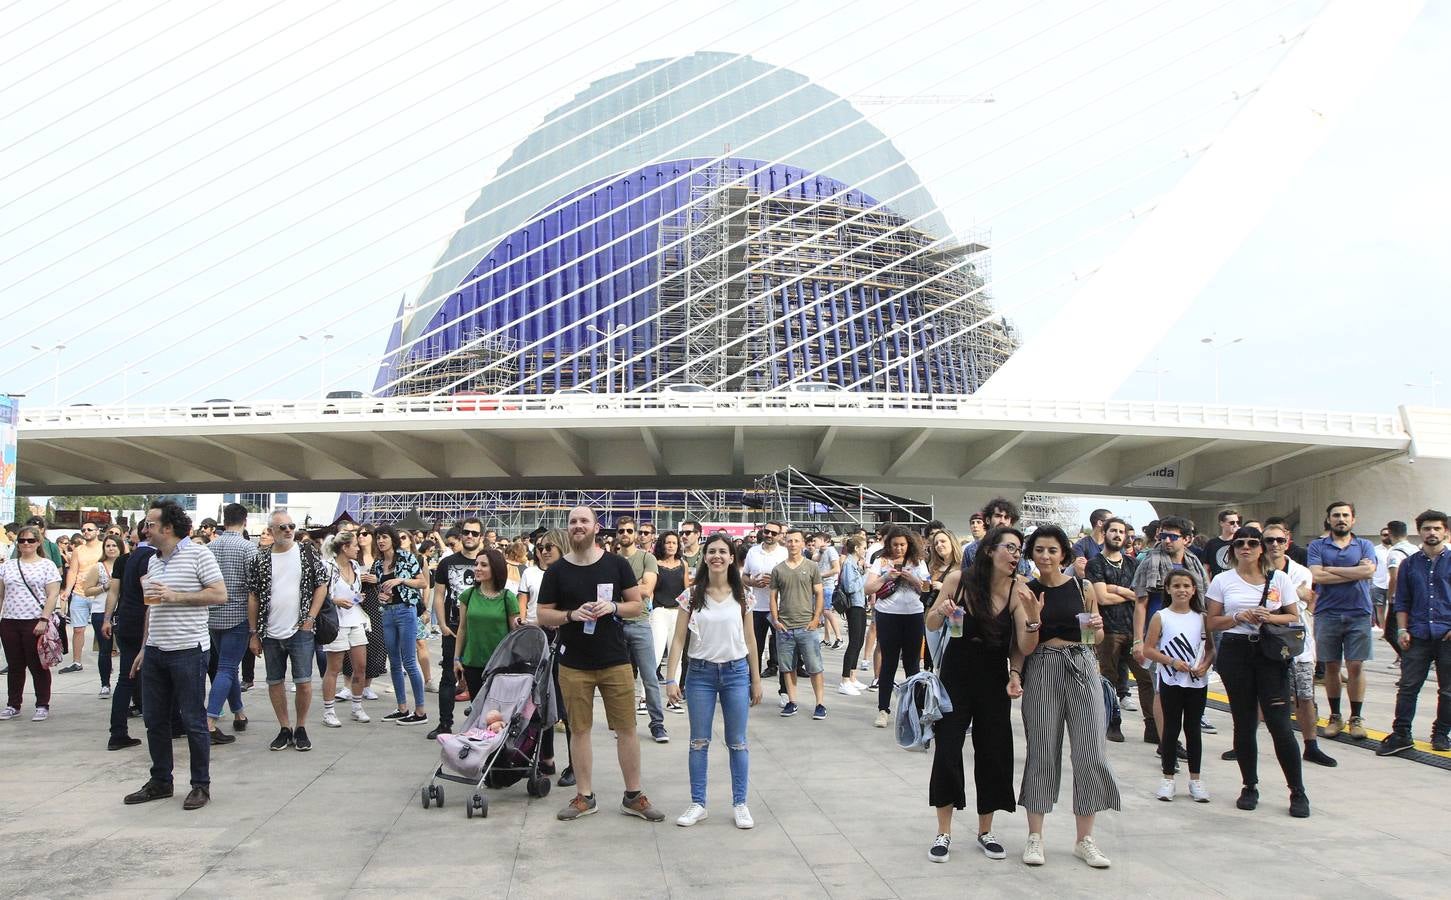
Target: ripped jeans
{"points": [[731, 683]]}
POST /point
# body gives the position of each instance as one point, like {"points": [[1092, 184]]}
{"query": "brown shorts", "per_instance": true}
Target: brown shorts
{"points": [[616, 686]]}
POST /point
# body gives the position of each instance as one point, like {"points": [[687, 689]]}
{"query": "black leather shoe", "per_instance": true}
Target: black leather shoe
{"points": [[239, 724], [198, 798], [151, 790], [125, 743], [220, 737], [442, 729]]}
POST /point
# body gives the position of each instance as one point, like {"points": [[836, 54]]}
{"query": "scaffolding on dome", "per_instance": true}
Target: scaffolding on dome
{"points": [[825, 504], [519, 512], [435, 369], [1050, 509]]}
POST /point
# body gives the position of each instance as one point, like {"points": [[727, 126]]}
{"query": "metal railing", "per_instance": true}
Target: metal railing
{"points": [[573, 407]]}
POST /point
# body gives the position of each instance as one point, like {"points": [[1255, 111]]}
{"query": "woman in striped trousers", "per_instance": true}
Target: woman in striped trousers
{"points": [[1061, 687]]}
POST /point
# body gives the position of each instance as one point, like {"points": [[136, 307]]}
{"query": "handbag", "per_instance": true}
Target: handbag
{"points": [[1279, 643], [49, 646]]}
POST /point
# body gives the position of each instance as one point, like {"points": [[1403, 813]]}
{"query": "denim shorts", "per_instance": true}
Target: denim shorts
{"points": [[297, 648], [799, 641], [80, 612], [1339, 636]]}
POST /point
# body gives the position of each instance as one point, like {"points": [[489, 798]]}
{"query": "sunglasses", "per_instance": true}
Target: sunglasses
{"points": [[768, 533], [1234, 523], [647, 534], [289, 527], [1278, 540], [468, 533], [543, 547], [1171, 538], [687, 531], [27, 541], [625, 530], [1242, 543]]}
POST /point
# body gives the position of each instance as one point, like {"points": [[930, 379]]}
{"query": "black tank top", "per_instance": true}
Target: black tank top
{"points": [[668, 585], [1061, 606]]}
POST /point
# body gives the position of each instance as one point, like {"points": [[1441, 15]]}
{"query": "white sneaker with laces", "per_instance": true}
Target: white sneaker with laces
{"points": [[939, 850], [846, 689], [1033, 850], [344, 694], [369, 694], [863, 666], [41, 714], [693, 813], [360, 716], [1166, 789], [105, 692], [330, 719], [1127, 702], [1198, 791], [743, 816], [291, 687], [1088, 851], [884, 718], [9, 712]]}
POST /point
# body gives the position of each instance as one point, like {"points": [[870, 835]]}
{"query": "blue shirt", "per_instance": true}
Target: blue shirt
{"points": [[1423, 593], [1351, 598], [1087, 547]]}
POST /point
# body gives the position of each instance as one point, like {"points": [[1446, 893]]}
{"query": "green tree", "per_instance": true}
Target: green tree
{"points": [[22, 508]]}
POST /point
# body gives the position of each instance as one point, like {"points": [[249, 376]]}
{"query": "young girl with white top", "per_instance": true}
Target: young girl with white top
{"points": [[723, 666], [1178, 640], [346, 589]]}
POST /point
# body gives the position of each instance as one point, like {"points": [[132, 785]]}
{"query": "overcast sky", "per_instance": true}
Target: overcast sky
{"points": [[188, 187]]}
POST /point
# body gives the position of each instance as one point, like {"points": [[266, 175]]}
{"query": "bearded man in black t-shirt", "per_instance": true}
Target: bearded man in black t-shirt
{"points": [[585, 595], [454, 575]]}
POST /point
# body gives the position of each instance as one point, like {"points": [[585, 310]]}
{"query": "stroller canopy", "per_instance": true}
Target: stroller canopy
{"points": [[524, 649]]}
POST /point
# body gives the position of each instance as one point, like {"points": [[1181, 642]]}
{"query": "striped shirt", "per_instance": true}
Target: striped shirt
{"points": [[173, 626], [234, 554]]}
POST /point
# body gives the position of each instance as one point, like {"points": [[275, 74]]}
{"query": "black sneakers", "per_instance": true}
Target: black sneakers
{"points": [[938, 852], [1394, 743], [1249, 798], [300, 740], [414, 719], [1317, 756], [282, 741], [1299, 804]]}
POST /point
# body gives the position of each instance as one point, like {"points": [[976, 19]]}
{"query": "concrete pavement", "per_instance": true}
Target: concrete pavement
{"points": [[840, 812]]}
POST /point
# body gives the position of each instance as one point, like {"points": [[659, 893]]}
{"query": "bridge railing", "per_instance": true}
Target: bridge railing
{"points": [[1007, 411]]}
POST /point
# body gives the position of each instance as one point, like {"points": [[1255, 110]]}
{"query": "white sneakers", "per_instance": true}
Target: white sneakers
{"points": [[884, 718], [743, 816], [360, 716], [1126, 703], [105, 692], [783, 699], [1166, 790], [1088, 851], [848, 689], [368, 694], [864, 665], [330, 719], [1198, 791], [1033, 850], [693, 813], [41, 714], [9, 712], [344, 694]]}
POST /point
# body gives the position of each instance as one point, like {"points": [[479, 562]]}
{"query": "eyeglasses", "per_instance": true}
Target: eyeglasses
{"points": [[27, 541], [1242, 543], [1278, 540], [1014, 549], [1171, 538], [468, 533]]}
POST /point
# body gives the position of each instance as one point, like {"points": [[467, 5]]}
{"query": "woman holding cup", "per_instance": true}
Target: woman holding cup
{"points": [[986, 609], [1061, 687]]}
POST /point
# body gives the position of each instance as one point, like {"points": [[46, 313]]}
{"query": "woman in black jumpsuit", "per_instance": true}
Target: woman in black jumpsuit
{"points": [[994, 609]]}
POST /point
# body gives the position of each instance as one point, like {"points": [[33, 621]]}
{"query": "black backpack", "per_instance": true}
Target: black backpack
{"points": [[325, 626]]}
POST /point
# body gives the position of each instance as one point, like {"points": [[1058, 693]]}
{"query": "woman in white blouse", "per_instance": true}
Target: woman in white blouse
{"points": [[1241, 601], [723, 666], [29, 588]]}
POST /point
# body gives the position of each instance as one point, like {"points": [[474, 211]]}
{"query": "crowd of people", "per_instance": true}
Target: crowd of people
{"points": [[680, 621]]}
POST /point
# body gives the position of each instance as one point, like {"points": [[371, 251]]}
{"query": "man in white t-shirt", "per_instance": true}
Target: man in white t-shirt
{"points": [[286, 588], [1302, 671], [1398, 552], [761, 560]]}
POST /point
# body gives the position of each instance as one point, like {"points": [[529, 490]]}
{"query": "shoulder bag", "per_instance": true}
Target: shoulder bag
{"points": [[49, 646], [1279, 643]]}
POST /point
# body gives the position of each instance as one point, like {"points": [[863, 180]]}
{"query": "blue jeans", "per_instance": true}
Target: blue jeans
{"points": [[1416, 664], [642, 653], [731, 682], [227, 685], [176, 678], [400, 631]]}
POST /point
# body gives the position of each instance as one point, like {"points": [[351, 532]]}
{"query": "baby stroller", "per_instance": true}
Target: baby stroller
{"points": [[517, 683]]}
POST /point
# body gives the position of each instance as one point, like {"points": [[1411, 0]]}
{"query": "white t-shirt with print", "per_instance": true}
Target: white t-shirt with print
{"points": [[1301, 577], [1238, 595]]}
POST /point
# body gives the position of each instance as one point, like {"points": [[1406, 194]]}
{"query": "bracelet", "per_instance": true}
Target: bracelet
{"points": [[669, 682], [1015, 672]]}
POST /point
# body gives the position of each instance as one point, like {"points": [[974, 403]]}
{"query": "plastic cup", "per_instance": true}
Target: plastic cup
{"points": [[954, 622], [1086, 632]]}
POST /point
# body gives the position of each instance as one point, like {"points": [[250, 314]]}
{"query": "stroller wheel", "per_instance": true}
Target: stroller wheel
{"points": [[438, 795], [480, 803], [424, 792], [468, 811]]}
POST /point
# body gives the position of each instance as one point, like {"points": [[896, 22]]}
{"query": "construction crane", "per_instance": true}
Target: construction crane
{"points": [[921, 99]]}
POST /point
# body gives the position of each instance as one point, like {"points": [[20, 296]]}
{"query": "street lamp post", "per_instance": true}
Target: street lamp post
{"points": [[1217, 346], [1432, 384], [55, 378], [609, 352], [1158, 381]]}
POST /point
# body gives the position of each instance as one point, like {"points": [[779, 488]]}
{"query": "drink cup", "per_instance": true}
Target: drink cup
{"points": [[1086, 632], [954, 622], [146, 597], [589, 626]]}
